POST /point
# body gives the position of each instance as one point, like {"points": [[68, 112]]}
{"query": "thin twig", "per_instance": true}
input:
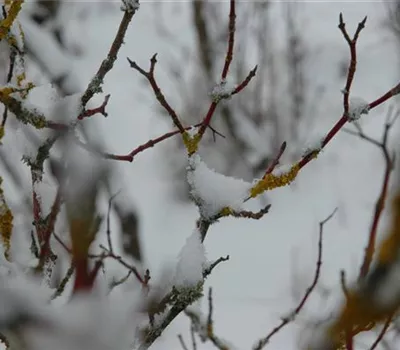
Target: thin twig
{"points": [[380, 203], [286, 320], [157, 91], [95, 84], [207, 271], [182, 341], [353, 59], [382, 333], [61, 287]]}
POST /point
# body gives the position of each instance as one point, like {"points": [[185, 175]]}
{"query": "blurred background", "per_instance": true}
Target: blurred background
{"points": [[295, 97]]}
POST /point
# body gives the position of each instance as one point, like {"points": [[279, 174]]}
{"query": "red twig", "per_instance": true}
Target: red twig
{"points": [[151, 143], [342, 121], [380, 203], [286, 320], [101, 109], [353, 59], [275, 162], [245, 82], [157, 91], [392, 92], [85, 114], [225, 70], [231, 40], [349, 341]]}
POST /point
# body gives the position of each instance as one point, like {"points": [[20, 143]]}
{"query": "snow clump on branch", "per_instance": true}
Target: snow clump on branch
{"points": [[212, 191], [358, 106], [221, 91], [192, 260]]}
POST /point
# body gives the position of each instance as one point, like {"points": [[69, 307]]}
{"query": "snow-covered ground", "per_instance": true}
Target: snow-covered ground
{"points": [[271, 260]]}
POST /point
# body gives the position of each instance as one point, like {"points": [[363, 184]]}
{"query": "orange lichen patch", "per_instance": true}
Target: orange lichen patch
{"points": [[390, 246], [6, 223], [191, 142], [362, 311]]}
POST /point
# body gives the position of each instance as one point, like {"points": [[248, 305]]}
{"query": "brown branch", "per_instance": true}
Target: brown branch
{"points": [[382, 333], [107, 64], [108, 230], [286, 320], [108, 254], [157, 91], [218, 343], [61, 287], [251, 215], [207, 271], [182, 342]]}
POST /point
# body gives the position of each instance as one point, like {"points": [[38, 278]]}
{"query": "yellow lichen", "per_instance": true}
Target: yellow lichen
{"points": [[271, 181], [6, 91], [225, 212], [20, 78], [6, 23], [21, 32], [191, 142]]}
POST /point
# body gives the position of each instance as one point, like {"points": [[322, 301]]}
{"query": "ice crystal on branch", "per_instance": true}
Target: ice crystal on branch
{"points": [[212, 191]]}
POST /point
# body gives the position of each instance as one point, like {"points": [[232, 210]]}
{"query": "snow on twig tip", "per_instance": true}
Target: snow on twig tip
{"points": [[130, 5], [358, 106], [212, 191]]}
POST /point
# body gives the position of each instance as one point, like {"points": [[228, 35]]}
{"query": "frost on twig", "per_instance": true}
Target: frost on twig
{"points": [[358, 106], [212, 191]]}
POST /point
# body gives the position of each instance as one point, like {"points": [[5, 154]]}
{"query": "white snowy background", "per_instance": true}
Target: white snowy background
{"points": [[272, 260]]}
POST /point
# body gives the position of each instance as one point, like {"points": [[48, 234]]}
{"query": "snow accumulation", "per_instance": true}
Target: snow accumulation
{"points": [[213, 191], [191, 262], [314, 144], [130, 5], [222, 90], [87, 322], [58, 64], [358, 106]]}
